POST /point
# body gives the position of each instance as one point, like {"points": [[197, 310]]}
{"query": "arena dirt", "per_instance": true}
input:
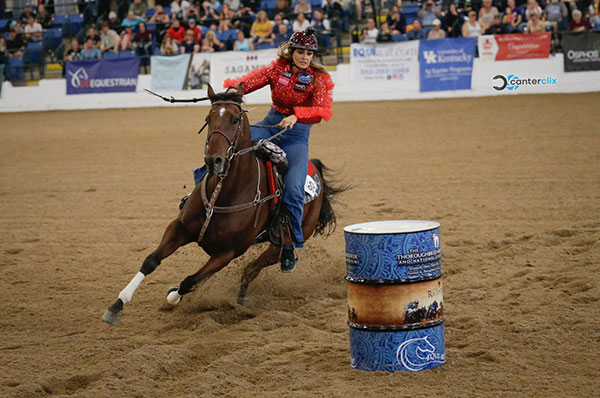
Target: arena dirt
{"points": [[513, 180]]}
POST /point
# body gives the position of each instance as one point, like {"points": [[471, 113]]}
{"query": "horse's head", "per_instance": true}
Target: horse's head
{"points": [[227, 130]]}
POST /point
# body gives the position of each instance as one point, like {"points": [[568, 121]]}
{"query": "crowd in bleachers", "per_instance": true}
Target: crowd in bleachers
{"points": [[182, 26]]}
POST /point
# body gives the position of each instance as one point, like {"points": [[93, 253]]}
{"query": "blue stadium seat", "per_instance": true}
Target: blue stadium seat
{"points": [[33, 54], [409, 17], [3, 23], [316, 4], [399, 37], [227, 35], [75, 24], [110, 55], [59, 21], [167, 10], [150, 13], [14, 69], [52, 38], [204, 29], [156, 51], [127, 54], [151, 27], [264, 46]]}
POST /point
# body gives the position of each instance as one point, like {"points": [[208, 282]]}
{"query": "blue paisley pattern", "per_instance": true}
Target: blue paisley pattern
{"points": [[397, 351], [402, 256]]}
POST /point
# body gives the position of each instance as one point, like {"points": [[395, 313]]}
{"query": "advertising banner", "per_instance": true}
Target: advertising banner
{"points": [[102, 76], [383, 62], [168, 73], [234, 64], [446, 64], [514, 46], [581, 51], [199, 72]]}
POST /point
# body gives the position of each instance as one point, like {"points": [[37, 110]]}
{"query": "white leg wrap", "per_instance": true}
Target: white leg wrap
{"points": [[173, 297], [127, 293]]}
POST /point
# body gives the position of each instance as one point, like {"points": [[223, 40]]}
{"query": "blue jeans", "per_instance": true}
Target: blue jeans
{"points": [[295, 145]]}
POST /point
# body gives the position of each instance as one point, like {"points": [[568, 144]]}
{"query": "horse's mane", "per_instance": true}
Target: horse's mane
{"points": [[225, 96]]}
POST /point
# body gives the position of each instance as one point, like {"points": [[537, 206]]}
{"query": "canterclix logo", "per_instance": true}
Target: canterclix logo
{"points": [[513, 82]]}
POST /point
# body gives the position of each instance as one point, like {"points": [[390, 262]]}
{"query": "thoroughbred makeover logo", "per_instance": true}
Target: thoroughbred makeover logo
{"points": [[513, 82], [102, 76]]}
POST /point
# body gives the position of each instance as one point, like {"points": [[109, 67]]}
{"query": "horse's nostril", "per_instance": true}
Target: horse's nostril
{"points": [[218, 161]]}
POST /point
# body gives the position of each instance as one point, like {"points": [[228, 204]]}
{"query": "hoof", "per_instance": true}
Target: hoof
{"points": [[111, 318], [173, 297]]}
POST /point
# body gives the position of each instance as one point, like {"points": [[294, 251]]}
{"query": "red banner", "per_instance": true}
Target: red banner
{"points": [[534, 45]]}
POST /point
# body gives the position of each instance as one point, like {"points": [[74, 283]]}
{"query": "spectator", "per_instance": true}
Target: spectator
{"points": [[252, 5], [142, 41], [15, 44], [452, 17], [594, 14], [261, 28], [472, 27], [234, 5], [277, 20], [396, 21], [370, 33], [132, 20], [300, 23], [189, 45], [27, 12], [113, 22], [554, 13], [212, 9], [242, 44], [385, 36], [437, 32], [429, 12], [16, 25], [179, 8], [535, 25], [176, 31], [322, 28], [211, 43], [532, 8], [282, 36], [90, 51], [139, 9], [126, 43], [33, 30], [226, 18], [511, 19], [160, 17], [303, 8], [579, 24], [193, 26], [281, 7], [3, 50], [417, 32], [496, 28], [487, 13], [169, 46], [109, 39], [91, 34], [74, 53], [43, 17]]}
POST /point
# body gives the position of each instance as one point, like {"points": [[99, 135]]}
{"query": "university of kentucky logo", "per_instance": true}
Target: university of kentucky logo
{"points": [[416, 354]]}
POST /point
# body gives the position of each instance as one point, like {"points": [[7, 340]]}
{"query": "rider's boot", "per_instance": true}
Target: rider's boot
{"points": [[288, 256]]}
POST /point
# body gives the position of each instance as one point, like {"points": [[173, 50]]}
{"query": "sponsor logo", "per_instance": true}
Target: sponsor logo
{"points": [[583, 56], [385, 52], [446, 56], [487, 44], [513, 82], [305, 77], [436, 240], [80, 78], [300, 87], [430, 57], [416, 354]]}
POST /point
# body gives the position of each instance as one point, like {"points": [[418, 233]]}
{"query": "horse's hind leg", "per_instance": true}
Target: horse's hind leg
{"points": [[173, 238], [267, 258]]}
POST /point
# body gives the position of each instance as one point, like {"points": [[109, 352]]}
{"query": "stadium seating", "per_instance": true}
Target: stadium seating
{"points": [[14, 69], [150, 13], [264, 46], [227, 35], [399, 37], [167, 10], [127, 54], [75, 24], [52, 38], [3, 23], [110, 55], [59, 21]]}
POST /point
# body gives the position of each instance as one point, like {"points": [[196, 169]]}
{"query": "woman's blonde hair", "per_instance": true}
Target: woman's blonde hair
{"points": [[285, 52]]}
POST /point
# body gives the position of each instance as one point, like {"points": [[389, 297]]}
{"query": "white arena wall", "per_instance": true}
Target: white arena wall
{"points": [[51, 94]]}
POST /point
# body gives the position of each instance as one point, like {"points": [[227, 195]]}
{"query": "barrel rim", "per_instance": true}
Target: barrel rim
{"points": [[383, 329], [394, 281], [437, 225]]}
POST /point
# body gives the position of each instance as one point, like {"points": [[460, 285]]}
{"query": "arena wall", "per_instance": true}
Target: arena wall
{"points": [[51, 94]]}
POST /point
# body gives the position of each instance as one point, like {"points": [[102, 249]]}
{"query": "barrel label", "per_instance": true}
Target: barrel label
{"points": [[393, 256]]}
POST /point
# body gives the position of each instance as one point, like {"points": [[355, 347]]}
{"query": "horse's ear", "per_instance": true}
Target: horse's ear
{"points": [[240, 89], [211, 92]]}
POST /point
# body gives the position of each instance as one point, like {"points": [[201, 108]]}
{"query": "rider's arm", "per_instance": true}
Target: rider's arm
{"points": [[256, 79], [321, 102]]}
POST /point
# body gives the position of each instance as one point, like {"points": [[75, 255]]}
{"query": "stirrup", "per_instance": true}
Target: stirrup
{"points": [[288, 260]]}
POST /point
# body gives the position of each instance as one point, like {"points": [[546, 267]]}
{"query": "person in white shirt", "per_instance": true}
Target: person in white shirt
{"points": [[33, 30], [301, 23], [369, 35]]}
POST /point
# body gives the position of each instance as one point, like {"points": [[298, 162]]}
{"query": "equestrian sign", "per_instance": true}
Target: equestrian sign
{"points": [[102, 76]]}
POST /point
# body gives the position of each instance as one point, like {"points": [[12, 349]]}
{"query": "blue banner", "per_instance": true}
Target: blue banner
{"points": [[102, 76], [168, 73], [446, 64]]}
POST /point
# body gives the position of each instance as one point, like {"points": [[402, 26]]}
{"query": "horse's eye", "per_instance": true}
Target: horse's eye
{"points": [[236, 119]]}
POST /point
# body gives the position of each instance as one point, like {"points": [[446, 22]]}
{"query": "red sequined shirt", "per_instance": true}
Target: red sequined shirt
{"points": [[306, 94]]}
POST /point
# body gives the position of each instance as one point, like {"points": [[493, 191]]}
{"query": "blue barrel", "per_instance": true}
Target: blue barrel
{"points": [[395, 299]]}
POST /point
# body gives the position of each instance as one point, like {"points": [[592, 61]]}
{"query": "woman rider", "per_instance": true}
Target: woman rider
{"points": [[301, 96]]}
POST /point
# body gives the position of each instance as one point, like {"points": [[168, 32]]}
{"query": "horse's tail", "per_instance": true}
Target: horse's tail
{"points": [[331, 188]]}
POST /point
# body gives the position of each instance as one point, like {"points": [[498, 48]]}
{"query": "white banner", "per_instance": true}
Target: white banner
{"points": [[395, 62], [168, 73], [199, 72], [234, 64], [488, 47]]}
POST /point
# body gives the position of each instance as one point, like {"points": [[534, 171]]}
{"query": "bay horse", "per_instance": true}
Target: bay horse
{"points": [[238, 210]]}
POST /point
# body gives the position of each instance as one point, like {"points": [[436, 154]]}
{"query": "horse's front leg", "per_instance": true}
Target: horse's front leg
{"points": [[173, 238], [269, 257], [213, 265]]}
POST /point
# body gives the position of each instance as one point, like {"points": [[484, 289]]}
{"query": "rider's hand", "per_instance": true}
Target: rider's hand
{"points": [[288, 122]]}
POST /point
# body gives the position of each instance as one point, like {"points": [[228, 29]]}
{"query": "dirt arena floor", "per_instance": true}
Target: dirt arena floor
{"points": [[513, 180]]}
